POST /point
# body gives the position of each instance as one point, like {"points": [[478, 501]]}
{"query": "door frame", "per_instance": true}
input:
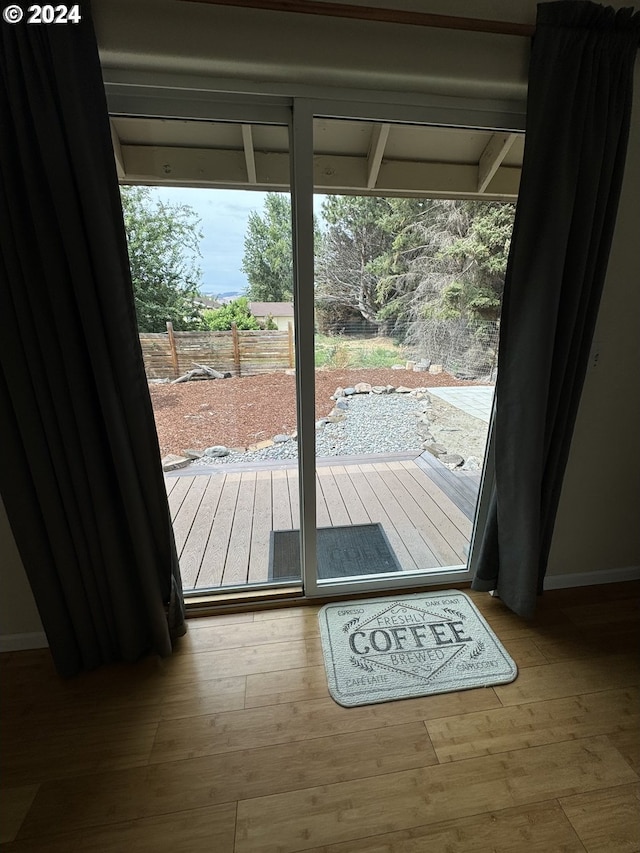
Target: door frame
{"points": [[136, 94]]}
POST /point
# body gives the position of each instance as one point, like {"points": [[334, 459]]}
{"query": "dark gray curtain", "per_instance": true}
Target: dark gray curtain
{"points": [[578, 114], [80, 471]]}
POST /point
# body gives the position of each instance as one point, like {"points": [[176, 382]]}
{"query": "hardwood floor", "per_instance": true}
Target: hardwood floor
{"points": [[222, 521], [233, 745]]}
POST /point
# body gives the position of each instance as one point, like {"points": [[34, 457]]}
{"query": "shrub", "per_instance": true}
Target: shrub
{"points": [[237, 311]]}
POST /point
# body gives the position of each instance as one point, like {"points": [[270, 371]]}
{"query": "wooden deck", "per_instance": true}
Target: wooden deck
{"points": [[222, 520]]}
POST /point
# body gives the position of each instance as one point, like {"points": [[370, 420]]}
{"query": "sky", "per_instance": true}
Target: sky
{"points": [[223, 215]]}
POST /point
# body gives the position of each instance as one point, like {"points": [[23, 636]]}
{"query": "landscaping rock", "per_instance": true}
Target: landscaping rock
{"points": [[321, 423], [472, 463], [363, 388], [378, 389], [436, 449], [339, 392], [335, 416], [435, 368], [280, 439], [261, 445], [342, 404], [172, 462], [193, 454], [402, 389], [390, 389], [424, 430], [217, 450], [349, 392], [397, 367], [451, 460]]}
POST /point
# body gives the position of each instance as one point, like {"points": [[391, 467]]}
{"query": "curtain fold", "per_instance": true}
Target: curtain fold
{"points": [[80, 471], [578, 116]]}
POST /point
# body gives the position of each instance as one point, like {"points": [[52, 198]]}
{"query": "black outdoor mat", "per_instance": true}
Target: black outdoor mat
{"points": [[343, 552]]}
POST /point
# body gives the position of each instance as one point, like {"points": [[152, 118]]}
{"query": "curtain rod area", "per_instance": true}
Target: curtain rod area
{"points": [[380, 15]]}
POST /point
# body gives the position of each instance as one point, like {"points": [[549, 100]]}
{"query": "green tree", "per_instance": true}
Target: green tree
{"points": [[347, 278], [164, 248], [237, 311], [363, 256], [268, 252]]}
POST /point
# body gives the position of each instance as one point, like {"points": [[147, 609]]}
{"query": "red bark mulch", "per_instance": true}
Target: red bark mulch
{"points": [[241, 411]]}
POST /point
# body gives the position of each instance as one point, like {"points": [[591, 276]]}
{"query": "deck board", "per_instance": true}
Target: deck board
{"points": [[261, 528], [223, 519], [212, 567], [423, 556], [430, 522], [194, 549]]}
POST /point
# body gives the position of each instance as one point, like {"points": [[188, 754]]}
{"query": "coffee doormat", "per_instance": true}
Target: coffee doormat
{"points": [[343, 552], [382, 649]]}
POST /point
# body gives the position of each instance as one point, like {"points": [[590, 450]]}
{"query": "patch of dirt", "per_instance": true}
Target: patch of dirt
{"points": [[456, 430], [241, 411]]}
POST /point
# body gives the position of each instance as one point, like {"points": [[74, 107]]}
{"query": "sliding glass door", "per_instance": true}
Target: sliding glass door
{"points": [[367, 407]]}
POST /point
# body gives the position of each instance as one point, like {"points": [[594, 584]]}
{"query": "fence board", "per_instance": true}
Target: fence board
{"points": [[250, 353]]}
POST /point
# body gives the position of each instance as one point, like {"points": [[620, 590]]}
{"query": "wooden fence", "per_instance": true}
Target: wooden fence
{"points": [[169, 354]]}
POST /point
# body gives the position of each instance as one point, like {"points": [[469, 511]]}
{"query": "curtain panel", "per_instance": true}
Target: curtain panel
{"points": [[80, 471], [578, 115]]}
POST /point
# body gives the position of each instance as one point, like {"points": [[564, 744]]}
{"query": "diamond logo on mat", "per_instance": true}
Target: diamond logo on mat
{"points": [[409, 646], [409, 639]]}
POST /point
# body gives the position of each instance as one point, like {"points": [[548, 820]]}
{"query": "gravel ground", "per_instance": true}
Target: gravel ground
{"points": [[380, 423]]}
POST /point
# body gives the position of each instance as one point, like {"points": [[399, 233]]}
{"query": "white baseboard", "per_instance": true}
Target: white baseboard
{"points": [[629, 573], [22, 642]]}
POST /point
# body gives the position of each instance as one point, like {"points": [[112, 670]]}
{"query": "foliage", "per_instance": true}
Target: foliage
{"points": [[164, 248], [346, 279], [237, 311], [268, 251]]}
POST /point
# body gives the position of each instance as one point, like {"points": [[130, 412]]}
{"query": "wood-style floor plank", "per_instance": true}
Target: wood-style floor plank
{"points": [[572, 678], [606, 821], [298, 721], [202, 830], [312, 817], [534, 724], [241, 775], [234, 745], [540, 828]]}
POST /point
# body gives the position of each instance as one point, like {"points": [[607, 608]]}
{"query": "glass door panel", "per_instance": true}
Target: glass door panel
{"points": [[407, 297], [208, 215]]}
